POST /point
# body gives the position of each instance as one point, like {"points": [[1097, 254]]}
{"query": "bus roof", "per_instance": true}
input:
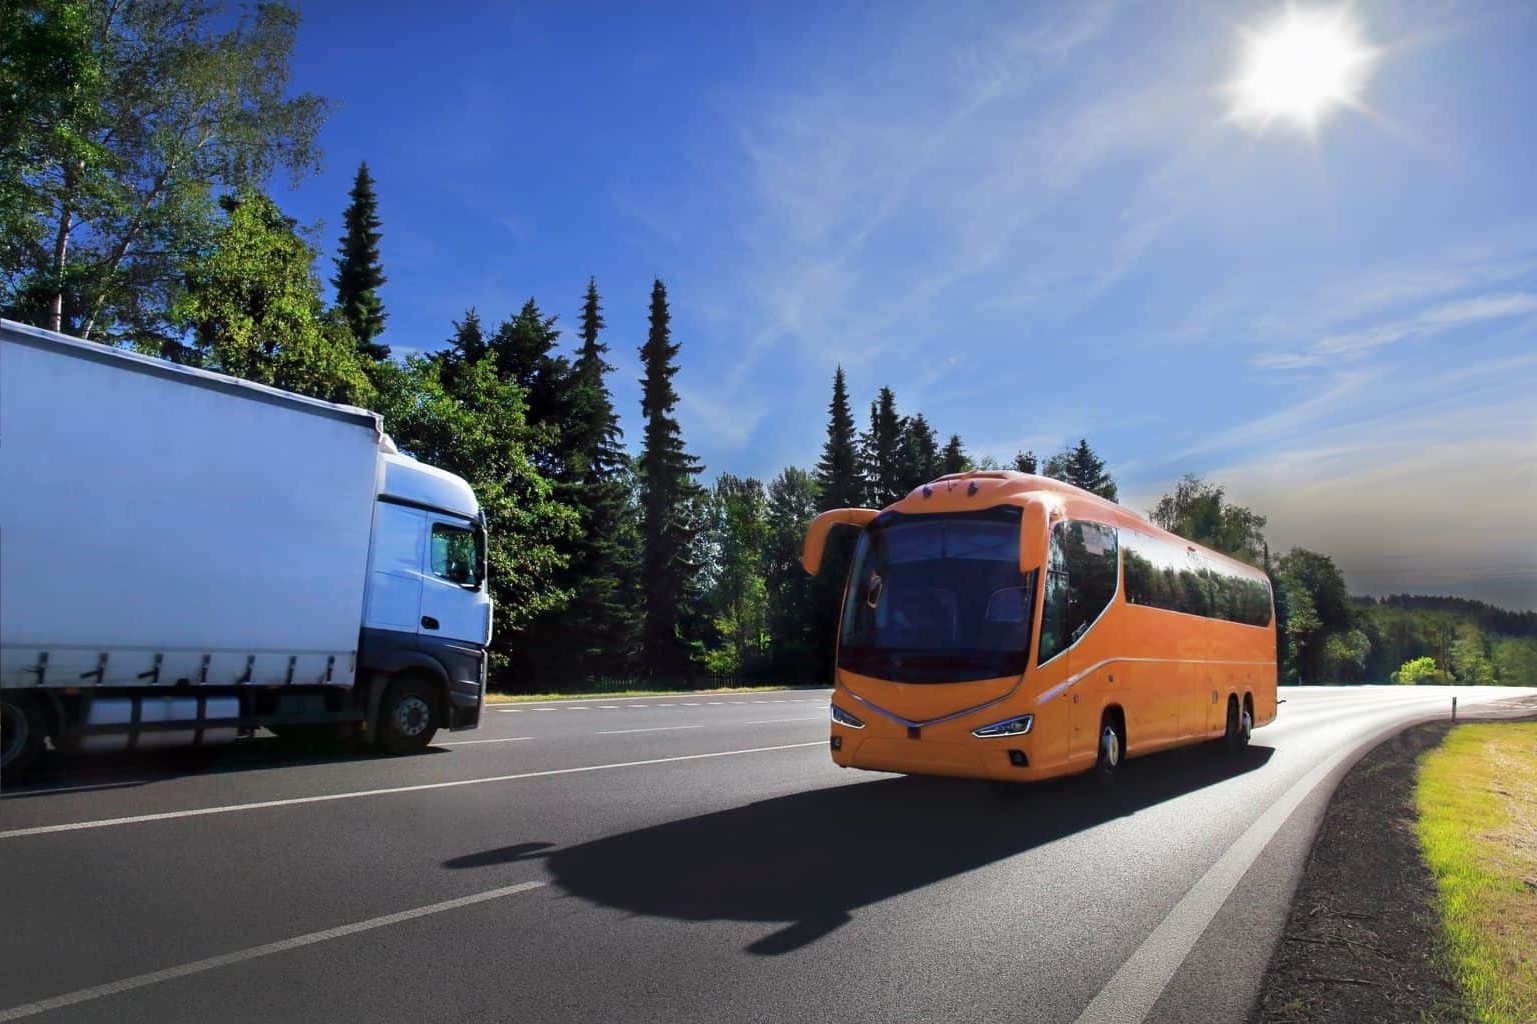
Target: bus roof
{"points": [[996, 485]]}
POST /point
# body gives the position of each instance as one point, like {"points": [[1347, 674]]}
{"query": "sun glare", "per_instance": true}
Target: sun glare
{"points": [[1299, 67]]}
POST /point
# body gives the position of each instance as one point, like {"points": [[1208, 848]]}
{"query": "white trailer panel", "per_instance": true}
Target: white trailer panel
{"points": [[157, 515]]}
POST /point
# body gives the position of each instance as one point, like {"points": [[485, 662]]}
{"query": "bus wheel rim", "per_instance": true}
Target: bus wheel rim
{"points": [[1110, 746]]}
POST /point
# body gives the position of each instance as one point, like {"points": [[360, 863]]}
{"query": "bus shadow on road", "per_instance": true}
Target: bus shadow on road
{"points": [[810, 859]]}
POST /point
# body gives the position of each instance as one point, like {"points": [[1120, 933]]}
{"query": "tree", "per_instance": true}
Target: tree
{"points": [[669, 497], [954, 458], [1082, 468], [792, 503], [173, 108], [1469, 662], [837, 474], [881, 448], [1025, 462], [1320, 620], [475, 428], [739, 594], [252, 304], [359, 274], [601, 620], [1199, 511], [524, 348], [918, 460], [1515, 661], [1421, 671]]}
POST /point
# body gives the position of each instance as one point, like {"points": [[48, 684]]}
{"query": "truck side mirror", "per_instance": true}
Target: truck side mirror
{"points": [[815, 544]]}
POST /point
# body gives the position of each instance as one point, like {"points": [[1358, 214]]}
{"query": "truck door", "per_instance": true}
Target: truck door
{"points": [[395, 575], [454, 603]]}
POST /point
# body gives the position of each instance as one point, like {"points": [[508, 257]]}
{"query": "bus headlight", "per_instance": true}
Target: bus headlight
{"points": [[1017, 726], [842, 717]]}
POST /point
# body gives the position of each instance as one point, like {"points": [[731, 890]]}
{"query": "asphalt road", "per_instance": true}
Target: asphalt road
{"points": [[663, 859]]}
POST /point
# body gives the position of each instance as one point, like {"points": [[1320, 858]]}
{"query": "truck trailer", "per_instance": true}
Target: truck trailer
{"points": [[186, 557]]}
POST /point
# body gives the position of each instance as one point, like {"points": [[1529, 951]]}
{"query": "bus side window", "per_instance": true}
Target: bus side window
{"points": [[1081, 575], [1054, 605]]}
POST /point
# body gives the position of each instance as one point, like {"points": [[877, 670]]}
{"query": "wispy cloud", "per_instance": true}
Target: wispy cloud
{"points": [[1335, 348]]}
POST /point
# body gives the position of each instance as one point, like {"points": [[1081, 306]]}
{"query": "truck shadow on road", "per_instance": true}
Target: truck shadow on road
{"points": [[810, 859], [122, 769]]}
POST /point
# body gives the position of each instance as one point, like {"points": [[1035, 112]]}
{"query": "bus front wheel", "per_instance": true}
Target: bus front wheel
{"points": [[1112, 749]]}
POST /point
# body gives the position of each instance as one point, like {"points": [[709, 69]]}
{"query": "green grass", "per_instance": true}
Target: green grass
{"points": [[1477, 802], [518, 698]]}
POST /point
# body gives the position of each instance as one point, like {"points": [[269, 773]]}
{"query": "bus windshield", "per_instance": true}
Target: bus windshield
{"points": [[938, 598]]}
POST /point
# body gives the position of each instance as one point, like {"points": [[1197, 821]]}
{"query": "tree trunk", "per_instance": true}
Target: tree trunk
{"points": [[60, 249]]}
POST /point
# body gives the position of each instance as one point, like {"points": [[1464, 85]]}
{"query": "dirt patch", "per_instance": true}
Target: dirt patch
{"points": [[1362, 943]]}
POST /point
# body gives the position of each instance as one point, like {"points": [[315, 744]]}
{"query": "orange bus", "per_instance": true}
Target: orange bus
{"points": [[1008, 626]]}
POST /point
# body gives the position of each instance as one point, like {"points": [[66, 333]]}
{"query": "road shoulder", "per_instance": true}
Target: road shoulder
{"points": [[1362, 940]]}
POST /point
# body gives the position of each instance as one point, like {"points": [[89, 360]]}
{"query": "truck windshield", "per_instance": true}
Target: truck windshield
{"points": [[938, 598]]}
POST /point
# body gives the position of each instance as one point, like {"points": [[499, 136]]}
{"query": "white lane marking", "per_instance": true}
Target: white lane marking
{"points": [[113, 988], [691, 703], [196, 812], [663, 705], [714, 702], [544, 709], [466, 743], [73, 789], [1135, 988], [577, 707], [609, 707], [659, 728], [769, 721], [508, 711]]}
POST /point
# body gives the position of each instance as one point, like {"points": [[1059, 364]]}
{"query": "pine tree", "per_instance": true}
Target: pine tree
{"points": [[669, 498], [792, 607], [601, 618], [919, 459], [1081, 467], [525, 354], [837, 475], [1025, 462], [359, 273], [882, 450], [954, 458]]}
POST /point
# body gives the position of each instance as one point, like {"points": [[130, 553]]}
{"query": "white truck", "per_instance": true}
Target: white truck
{"points": [[185, 557]]}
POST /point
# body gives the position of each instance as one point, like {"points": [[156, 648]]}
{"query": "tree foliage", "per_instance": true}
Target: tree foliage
{"points": [[838, 477], [116, 173], [1078, 466], [359, 273], [670, 502], [1198, 510], [252, 305]]}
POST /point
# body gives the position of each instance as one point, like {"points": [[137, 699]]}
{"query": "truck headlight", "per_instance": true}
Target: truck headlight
{"points": [[842, 717], [1016, 726]]}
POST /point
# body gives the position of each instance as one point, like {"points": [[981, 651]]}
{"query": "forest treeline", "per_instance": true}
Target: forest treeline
{"points": [[138, 145]]}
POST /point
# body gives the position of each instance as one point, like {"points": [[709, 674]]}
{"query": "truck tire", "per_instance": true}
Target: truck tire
{"points": [[23, 725], [408, 716]]}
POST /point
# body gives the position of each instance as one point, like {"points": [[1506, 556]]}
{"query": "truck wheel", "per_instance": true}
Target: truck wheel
{"points": [[23, 725], [407, 720]]}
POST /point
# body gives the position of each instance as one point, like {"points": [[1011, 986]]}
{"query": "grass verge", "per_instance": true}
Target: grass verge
{"points": [[519, 698], [1477, 803]]}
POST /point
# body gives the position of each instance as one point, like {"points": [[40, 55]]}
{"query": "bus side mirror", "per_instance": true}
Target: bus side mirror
{"points": [[815, 543], [1033, 531]]}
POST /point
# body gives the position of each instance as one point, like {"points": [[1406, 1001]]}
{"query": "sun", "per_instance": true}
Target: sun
{"points": [[1300, 67]]}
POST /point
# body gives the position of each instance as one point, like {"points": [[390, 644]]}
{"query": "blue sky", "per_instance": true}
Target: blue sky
{"points": [[1035, 222]]}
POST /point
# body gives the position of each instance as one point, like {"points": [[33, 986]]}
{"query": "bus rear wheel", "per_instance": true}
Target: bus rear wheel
{"points": [[1239, 724]]}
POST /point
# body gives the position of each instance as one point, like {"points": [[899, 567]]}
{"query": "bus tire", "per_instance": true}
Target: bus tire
{"points": [[1112, 748], [1239, 723], [408, 716], [23, 725]]}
